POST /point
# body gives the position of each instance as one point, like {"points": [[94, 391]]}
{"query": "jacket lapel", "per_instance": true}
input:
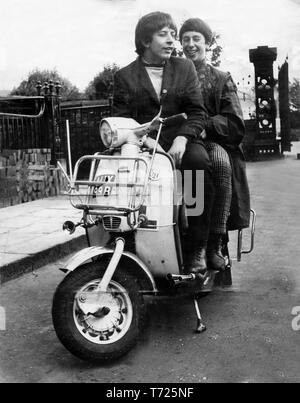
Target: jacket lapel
{"points": [[144, 82]]}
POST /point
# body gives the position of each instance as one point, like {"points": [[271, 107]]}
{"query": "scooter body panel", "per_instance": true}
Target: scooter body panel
{"points": [[158, 250], [155, 241]]}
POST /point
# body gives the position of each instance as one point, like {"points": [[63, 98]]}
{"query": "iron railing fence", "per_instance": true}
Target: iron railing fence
{"points": [[23, 123], [84, 129], [40, 122]]}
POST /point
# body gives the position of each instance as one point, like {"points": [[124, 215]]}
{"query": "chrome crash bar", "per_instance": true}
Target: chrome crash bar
{"points": [[240, 250]]}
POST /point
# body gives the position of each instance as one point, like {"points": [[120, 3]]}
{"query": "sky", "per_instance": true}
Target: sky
{"points": [[78, 37]]}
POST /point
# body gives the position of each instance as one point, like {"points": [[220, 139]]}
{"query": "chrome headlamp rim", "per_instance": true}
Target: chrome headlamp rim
{"points": [[119, 130], [103, 135]]}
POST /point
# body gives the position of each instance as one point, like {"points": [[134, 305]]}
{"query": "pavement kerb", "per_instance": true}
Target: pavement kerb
{"points": [[37, 260]]}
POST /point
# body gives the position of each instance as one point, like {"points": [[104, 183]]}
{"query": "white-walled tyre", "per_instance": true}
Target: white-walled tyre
{"points": [[93, 326]]}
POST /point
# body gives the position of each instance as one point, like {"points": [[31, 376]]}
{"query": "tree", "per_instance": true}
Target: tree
{"points": [[295, 93], [215, 51], [101, 86], [28, 87]]}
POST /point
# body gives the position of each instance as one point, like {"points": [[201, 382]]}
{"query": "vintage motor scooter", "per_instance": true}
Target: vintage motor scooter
{"points": [[135, 223]]}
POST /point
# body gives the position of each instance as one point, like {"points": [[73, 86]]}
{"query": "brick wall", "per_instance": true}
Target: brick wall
{"points": [[26, 175]]}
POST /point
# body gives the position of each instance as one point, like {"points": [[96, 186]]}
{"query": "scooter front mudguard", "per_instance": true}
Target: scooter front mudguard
{"points": [[85, 255]]}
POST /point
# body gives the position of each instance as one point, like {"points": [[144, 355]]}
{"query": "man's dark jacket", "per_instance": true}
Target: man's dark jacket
{"points": [[135, 97], [225, 126]]}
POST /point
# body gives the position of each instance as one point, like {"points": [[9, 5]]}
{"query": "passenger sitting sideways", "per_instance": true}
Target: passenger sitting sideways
{"points": [[224, 131]]}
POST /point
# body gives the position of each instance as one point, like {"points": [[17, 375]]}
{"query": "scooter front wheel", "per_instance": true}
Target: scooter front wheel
{"points": [[97, 326]]}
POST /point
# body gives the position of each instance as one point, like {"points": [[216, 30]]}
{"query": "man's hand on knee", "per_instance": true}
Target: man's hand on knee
{"points": [[178, 149]]}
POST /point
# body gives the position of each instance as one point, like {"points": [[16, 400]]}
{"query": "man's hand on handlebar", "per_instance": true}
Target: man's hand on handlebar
{"points": [[177, 149], [179, 144]]}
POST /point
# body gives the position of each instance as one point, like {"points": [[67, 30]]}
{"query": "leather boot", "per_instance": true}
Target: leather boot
{"points": [[197, 263], [215, 258]]}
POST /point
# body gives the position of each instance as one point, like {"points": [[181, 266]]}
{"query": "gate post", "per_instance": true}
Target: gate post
{"points": [[284, 107], [53, 119]]}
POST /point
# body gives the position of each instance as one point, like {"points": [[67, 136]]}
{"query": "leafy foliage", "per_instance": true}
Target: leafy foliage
{"points": [[295, 93], [295, 108], [295, 119], [101, 86], [215, 51], [28, 87]]}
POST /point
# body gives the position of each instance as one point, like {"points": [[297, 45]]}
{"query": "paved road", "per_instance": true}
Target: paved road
{"points": [[249, 337]]}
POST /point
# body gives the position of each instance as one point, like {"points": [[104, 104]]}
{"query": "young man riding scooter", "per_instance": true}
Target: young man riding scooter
{"points": [[157, 80], [224, 132]]}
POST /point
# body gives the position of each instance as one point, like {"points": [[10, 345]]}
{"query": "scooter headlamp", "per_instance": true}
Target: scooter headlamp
{"points": [[115, 132]]}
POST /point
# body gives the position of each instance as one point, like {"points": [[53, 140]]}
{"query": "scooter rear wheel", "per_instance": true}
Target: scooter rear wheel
{"points": [[98, 327]]}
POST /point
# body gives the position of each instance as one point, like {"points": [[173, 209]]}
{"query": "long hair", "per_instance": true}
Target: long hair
{"points": [[148, 25]]}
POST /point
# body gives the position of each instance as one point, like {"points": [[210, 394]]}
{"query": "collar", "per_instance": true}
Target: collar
{"points": [[146, 64]]}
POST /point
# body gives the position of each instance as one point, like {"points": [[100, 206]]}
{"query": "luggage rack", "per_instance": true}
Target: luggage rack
{"points": [[84, 194]]}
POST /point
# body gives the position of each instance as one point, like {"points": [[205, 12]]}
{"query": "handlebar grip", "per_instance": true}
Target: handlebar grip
{"points": [[175, 120]]}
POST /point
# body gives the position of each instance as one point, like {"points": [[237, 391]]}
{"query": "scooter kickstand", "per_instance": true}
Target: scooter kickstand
{"points": [[200, 325]]}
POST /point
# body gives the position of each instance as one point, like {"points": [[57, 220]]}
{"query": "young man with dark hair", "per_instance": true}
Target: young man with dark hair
{"points": [[157, 80], [224, 131]]}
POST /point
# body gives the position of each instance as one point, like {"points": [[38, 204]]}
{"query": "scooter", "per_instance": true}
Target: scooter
{"points": [[136, 224]]}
